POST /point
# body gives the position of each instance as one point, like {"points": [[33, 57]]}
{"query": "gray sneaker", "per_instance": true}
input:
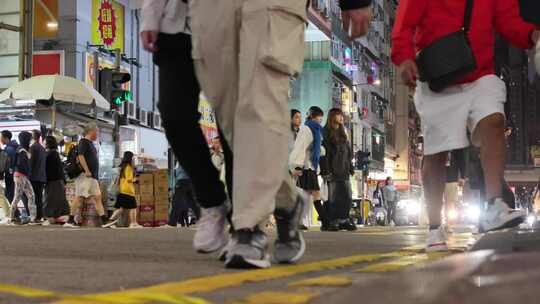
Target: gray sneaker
{"points": [[249, 251], [290, 245]]}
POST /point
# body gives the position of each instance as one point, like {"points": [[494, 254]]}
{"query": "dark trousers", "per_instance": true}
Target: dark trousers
{"points": [[183, 200], [339, 200], [38, 191], [391, 210], [179, 107]]}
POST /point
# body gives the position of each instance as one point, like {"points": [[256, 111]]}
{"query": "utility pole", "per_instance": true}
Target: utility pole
{"points": [[116, 116], [96, 79]]}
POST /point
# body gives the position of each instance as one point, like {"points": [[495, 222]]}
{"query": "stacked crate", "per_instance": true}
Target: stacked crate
{"points": [[146, 200], [153, 198]]}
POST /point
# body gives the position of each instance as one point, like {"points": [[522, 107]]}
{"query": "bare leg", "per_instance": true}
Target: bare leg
{"points": [[99, 205], [117, 213], [434, 177], [132, 216], [492, 153]]}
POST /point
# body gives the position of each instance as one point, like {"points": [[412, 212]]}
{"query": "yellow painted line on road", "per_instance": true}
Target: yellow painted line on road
{"points": [[229, 280], [403, 262], [326, 281], [270, 297], [25, 291]]}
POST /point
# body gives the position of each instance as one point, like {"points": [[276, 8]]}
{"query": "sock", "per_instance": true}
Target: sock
{"points": [[434, 227]]}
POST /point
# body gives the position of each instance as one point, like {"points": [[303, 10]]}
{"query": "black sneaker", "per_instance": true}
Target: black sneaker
{"points": [[250, 250], [290, 245], [347, 225]]}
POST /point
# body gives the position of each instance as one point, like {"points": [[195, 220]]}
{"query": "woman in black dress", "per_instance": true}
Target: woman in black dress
{"points": [[55, 203], [340, 169]]}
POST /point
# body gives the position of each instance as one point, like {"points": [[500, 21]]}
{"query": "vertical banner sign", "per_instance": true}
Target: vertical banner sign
{"points": [[108, 24]]}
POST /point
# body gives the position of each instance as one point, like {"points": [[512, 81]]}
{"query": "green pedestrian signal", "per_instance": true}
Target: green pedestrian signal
{"points": [[110, 86]]}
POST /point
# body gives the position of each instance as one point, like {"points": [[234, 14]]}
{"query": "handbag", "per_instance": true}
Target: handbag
{"points": [[449, 58]]}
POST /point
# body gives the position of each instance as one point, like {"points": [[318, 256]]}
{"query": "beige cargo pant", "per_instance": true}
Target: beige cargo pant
{"points": [[245, 52]]}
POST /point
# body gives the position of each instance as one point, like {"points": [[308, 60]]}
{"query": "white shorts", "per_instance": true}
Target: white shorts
{"points": [[86, 186], [446, 116]]}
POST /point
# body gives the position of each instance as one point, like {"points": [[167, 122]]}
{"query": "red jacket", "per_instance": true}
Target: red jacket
{"points": [[421, 22]]}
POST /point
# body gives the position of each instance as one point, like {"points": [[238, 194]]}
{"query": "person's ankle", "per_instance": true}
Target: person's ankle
{"points": [[434, 227]]}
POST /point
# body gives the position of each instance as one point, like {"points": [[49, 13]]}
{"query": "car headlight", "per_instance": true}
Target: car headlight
{"points": [[472, 213], [413, 208]]}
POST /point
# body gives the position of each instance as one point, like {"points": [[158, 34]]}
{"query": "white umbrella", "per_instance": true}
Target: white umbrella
{"points": [[56, 88]]}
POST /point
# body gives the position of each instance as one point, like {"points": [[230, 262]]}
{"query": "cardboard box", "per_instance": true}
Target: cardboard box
{"points": [[146, 223], [161, 198], [161, 175], [146, 179], [147, 200], [146, 208], [162, 222], [146, 190], [146, 216], [161, 212], [160, 188]]}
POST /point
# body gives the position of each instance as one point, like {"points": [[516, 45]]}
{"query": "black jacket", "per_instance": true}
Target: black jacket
{"points": [[54, 166], [530, 11], [338, 160], [22, 163]]}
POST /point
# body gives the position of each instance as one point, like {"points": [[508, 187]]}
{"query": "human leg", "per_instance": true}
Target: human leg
{"points": [[38, 192]]}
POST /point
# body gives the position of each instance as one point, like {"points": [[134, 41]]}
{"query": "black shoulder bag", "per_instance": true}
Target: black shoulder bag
{"points": [[448, 59]]}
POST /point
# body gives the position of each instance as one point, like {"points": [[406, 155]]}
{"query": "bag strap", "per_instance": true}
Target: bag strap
{"points": [[468, 15]]}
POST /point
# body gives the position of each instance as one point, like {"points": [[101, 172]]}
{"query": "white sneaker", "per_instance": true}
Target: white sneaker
{"points": [[70, 225], [110, 224], [499, 216], [46, 223], [537, 57], [210, 234], [135, 225], [437, 240]]}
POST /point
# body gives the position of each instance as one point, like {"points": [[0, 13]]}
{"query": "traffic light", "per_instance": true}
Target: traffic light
{"points": [[110, 86], [362, 160]]}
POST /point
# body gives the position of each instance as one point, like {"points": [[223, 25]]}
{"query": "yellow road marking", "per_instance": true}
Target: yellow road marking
{"points": [[403, 262], [212, 283], [25, 291], [329, 281], [278, 298]]}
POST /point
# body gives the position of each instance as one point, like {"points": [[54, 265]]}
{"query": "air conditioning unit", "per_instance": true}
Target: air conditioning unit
{"points": [[131, 110], [143, 120], [156, 120]]}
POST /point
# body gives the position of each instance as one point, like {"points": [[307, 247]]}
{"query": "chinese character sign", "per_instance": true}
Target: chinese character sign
{"points": [[108, 24]]}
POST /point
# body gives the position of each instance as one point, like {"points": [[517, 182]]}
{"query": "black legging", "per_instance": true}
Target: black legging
{"points": [[178, 104]]}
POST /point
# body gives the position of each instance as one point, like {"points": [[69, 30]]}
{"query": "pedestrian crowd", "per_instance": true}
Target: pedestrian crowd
{"points": [[204, 45]]}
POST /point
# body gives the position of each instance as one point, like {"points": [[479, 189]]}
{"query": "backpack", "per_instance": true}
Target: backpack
{"points": [[5, 162], [72, 167]]}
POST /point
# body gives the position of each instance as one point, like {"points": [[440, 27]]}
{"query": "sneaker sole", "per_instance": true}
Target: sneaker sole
{"points": [[239, 262], [437, 248], [300, 253], [511, 222]]}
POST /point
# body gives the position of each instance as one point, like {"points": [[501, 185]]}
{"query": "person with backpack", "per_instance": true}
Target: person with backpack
{"points": [[448, 46], [55, 202], [86, 183], [22, 183], [125, 200]]}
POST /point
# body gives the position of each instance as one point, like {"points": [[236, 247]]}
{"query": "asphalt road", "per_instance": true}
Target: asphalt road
{"points": [[158, 265]]}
